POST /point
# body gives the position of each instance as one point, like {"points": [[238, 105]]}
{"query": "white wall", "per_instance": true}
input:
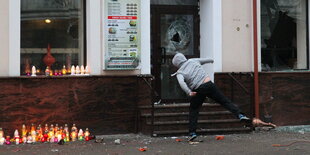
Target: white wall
{"points": [[146, 37], [94, 44], [4, 37], [211, 34], [237, 36], [301, 28], [9, 38], [14, 38]]}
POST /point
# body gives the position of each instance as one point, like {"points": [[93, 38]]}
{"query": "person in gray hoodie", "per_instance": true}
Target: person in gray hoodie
{"points": [[197, 84]]}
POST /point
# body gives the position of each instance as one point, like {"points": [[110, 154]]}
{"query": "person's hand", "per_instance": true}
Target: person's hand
{"points": [[192, 93]]}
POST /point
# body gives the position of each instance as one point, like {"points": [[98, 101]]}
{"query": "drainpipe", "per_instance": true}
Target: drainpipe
{"points": [[256, 80]]}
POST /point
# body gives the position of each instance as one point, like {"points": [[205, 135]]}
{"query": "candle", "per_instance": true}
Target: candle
{"points": [[7, 140], [33, 71], [86, 134], [73, 136], [24, 130], [82, 70], [72, 70], [16, 137], [81, 135], [17, 141], [64, 70], [24, 139], [2, 140], [77, 70], [1, 133], [47, 71], [29, 139]]}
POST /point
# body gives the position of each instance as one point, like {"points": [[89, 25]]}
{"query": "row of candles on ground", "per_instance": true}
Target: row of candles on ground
{"points": [[75, 70], [47, 134]]}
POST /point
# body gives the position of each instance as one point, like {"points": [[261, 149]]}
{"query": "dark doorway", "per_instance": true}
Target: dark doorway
{"points": [[175, 28]]}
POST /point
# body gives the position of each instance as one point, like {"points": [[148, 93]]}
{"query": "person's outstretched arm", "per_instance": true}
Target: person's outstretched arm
{"points": [[183, 85], [203, 60]]}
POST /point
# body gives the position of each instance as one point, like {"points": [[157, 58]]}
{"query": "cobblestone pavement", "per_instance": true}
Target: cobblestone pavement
{"points": [[257, 142]]}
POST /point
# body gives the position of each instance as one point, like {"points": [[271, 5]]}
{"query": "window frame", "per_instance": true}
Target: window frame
{"points": [[259, 38]]}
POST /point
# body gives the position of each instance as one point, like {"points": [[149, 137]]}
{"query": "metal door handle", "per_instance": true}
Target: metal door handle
{"points": [[163, 55]]}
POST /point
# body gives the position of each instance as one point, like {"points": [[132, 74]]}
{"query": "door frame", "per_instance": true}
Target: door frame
{"points": [[156, 54]]}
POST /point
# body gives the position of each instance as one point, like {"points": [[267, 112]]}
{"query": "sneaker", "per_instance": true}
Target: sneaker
{"points": [[243, 118], [192, 136]]}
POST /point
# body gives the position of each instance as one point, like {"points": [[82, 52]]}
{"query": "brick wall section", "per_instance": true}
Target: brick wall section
{"points": [[284, 97], [106, 105]]}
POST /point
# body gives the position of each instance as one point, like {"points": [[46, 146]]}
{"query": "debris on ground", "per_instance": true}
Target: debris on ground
{"points": [[61, 142], [193, 143], [117, 142], [142, 149], [16, 150], [219, 137], [178, 140], [259, 123], [54, 150], [99, 140], [284, 145]]}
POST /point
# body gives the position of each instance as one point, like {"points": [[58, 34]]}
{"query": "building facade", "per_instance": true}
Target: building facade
{"points": [[128, 44]]}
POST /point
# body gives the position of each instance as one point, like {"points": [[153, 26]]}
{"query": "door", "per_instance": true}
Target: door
{"points": [[174, 29]]}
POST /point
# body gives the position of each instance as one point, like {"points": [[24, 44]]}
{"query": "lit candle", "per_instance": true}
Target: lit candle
{"points": [[7, 140], [81, 135], [77, 70], [33, 71], [47, 71], [86, 134], [1, 133], [2, 140], [72, 70], [33, 133], [29, 139], [24, 130], [24, 139], [64, 70], [16, 137], [73, 136], [66, 132], [39, 133], [82, 70], [73, 132]]}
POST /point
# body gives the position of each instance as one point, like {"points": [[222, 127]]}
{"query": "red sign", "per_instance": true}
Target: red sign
{"points": [[123, 17]]}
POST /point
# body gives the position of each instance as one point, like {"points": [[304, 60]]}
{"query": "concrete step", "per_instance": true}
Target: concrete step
{"points": [[179, 107], [179, 116], [204, 124], [204, 131]]}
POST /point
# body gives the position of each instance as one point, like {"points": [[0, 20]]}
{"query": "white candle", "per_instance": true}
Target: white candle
{"points": [[2, 140], [77, 70], [72, 70], [33, 71], [82, 70]]}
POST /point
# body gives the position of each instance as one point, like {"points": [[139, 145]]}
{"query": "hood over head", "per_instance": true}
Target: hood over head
{"points": [[178, 60]]}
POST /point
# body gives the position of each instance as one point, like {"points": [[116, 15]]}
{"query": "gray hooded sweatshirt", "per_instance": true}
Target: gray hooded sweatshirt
{"points": [[190, 74]]}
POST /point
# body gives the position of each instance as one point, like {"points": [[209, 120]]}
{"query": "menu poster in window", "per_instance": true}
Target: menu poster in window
{"points": [[122, 34]]}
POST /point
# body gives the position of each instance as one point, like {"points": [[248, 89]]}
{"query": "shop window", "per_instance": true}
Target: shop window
{"points": [[59, 24], [284, 35]]}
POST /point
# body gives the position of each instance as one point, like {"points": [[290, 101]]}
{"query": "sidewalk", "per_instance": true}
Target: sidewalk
{"points": [[256, 143]]}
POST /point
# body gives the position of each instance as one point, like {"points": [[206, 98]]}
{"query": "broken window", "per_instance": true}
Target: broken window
{"points": [[284, 35]]}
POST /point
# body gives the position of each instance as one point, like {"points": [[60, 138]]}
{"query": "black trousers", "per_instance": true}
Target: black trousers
{"points": [[210, 90]]}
